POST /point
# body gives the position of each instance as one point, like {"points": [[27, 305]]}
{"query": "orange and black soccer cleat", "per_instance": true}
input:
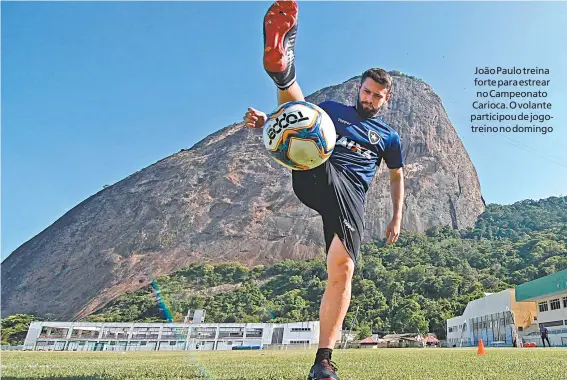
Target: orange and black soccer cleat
{"points": [[280, 29]]}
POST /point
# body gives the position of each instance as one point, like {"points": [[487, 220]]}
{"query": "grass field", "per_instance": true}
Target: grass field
{"points": [[446, 364]]}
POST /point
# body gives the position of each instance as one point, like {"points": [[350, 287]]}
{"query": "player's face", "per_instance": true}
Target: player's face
{"points": [[371, 97]]}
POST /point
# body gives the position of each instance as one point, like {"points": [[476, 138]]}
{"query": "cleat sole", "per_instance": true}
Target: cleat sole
{"points": [[279, 20]]}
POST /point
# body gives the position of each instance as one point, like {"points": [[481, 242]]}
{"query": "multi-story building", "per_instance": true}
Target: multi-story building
{"points": [[496, 318], [549, 293], [97, 336]]}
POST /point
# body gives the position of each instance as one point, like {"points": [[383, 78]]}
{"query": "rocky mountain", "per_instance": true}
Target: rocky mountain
{"points": [[225, 200]]}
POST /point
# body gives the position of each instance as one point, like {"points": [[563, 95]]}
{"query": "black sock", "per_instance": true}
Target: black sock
{"points": [[323, 354]]}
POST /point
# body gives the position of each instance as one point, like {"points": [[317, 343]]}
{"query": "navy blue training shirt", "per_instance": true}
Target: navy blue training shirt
{"points": [[362, 144]]}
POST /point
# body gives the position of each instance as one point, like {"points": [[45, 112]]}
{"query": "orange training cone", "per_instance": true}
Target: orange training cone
{"points": [[480, 349]]}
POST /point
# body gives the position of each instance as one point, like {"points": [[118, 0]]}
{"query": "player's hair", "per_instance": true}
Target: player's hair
{"points": [[378, 76]]}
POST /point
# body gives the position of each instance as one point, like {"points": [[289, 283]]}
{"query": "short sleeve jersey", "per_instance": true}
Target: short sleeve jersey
{"points": [[362, 144]]}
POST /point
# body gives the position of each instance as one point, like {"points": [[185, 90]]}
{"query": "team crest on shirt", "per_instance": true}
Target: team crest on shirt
{"points": [[374, 137]]}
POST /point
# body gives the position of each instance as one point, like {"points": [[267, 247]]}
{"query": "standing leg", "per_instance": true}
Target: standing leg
{"points": [[334, 306], [343, 225], [336, 299]]}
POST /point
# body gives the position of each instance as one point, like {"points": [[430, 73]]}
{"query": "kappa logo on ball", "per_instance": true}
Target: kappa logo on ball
{"points": [[374, 137]]}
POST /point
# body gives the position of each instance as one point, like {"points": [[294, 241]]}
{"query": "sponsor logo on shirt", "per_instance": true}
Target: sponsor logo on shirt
{"points": [[344, 121], [354, 146]]}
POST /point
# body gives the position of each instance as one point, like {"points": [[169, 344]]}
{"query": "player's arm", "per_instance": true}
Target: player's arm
{"points": [[395, 161], [254, 118], [397, 193]]}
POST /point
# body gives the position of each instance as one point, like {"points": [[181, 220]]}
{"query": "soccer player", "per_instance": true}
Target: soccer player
{"points": [[337, 189]]}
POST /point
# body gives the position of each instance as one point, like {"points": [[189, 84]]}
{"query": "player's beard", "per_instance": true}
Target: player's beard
{"points": [[367, 112]]}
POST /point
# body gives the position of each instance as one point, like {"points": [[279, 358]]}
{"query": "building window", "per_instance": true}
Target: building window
{"points": [[145, 332], [231, 332], [552, 323], [543, 306], [555, 304], [203, 332], [450, 329], [565, 302], [254, 333], [173, 333], [298, 329]]}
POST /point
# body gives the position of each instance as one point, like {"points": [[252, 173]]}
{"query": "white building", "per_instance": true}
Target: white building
{"points": [[495, 319], [97, 336], [549, 293]]}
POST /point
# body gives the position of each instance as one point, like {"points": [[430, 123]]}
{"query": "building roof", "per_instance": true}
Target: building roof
{"points": [[370, 340], [542, 287], [414, 337], [431, 339]]}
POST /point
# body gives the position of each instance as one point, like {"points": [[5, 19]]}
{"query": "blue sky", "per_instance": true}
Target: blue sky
{"points": [[92, 92]]}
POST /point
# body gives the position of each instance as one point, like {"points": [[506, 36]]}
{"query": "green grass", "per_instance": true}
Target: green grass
{"points": [[430, 363]]}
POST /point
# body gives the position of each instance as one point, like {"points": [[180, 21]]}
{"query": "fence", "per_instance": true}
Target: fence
{"points": [[14, 348]]}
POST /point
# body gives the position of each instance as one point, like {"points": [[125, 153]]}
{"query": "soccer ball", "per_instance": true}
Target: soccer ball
{"points": [[299, 135]]}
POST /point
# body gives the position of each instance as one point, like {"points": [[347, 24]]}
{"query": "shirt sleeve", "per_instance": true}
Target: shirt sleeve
{"points": [[393, 154], [325, 106]]}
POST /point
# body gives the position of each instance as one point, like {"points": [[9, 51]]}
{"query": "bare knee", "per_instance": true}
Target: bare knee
{"points": [[341, 273], [340, 266]]}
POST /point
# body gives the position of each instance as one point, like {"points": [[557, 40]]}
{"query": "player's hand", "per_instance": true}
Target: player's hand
{"points": [[393, 231], [254, 118]]}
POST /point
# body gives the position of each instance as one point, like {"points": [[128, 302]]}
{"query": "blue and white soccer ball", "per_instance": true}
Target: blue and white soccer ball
{"points": [[299, 135]]}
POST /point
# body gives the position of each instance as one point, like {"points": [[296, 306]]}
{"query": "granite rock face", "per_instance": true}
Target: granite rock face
{"points": [[226, 200]]}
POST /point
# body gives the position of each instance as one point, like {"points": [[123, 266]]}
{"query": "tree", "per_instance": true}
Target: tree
{"points": [[413, 286], [15, 327], [407, 316], [364, 331]]}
